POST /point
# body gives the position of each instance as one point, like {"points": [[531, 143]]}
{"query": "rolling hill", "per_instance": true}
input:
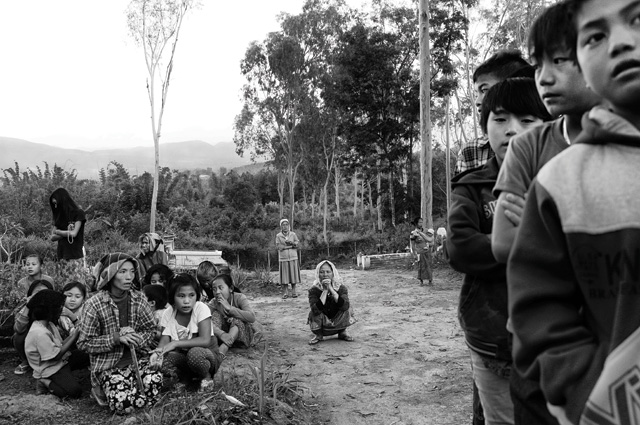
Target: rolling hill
{"points": [[182, 156]]}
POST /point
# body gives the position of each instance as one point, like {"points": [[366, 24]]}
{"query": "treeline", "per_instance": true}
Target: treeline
{"points": [[333, 97], [238, 214]]}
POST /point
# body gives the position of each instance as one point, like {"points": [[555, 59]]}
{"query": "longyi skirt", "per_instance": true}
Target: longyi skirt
{"points": [[289, 272]]}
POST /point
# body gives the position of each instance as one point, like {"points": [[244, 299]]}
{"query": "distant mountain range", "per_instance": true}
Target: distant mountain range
{"points": [[189, 155]]}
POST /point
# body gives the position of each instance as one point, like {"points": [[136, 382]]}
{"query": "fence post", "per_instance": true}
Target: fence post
{"points": [[268, 261]]}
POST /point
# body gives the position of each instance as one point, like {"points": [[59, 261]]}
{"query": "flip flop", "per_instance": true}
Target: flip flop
{"points": [[294, 295], [285, 296], [316, 339]]}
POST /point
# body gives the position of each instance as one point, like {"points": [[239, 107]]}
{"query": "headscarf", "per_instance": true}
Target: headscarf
{"points": [[154, 241], [109, 265], [336, 282]]}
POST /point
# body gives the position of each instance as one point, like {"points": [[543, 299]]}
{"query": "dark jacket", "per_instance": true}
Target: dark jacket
{"points": [[330, 308], [483, 299]]}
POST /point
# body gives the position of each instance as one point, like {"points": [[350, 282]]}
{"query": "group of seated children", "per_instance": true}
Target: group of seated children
{"points": [[547, 232], [132, 341]]}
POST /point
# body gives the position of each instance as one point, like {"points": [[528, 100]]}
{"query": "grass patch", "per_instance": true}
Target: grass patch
{"points": [[265, 395]]}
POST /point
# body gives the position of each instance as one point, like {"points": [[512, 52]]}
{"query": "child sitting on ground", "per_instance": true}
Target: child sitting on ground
{"points": [[158, 274], [75, 293], [21, 324], [231, 315], [187, 341], [33, 265], [205, 274], [45, 349], [509, 108], [157, 298], [574, 286]]}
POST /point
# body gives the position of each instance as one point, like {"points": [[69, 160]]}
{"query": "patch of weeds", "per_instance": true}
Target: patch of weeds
{"points": [[266, 396]]}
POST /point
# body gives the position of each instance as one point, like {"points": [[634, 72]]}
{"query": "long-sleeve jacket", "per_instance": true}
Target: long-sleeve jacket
{"points": [[331, 307], [482, 310], [287, 251], [574, 272]]}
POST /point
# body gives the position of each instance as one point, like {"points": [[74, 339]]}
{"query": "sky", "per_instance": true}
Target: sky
{"points": [[72, 77]]}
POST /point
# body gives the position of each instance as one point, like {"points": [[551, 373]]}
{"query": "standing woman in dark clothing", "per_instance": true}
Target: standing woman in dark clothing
{"points": [[68, 231], [331, 311]]}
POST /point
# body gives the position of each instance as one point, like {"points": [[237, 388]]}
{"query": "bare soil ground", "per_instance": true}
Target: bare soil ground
{"points": [[408, 365]]}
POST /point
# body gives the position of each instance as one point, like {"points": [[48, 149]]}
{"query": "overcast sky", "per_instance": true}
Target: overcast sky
{"points": [[72, 77]]}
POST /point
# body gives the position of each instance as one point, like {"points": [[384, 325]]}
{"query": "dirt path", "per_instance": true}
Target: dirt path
{"points": [[408, 365]]}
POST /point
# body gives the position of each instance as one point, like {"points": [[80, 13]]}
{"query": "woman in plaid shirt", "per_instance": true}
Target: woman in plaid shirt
{"points": [[118, 321]]}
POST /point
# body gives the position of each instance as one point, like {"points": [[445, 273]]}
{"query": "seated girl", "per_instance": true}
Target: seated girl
{"points": [[331, 311], [158, 274], [47, 353], [186, 341], [157, 299], [75, 293], [231, 315], [117, 326], [21, 324]]}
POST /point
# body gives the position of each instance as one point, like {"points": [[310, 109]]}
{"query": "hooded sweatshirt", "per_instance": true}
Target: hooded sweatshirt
{"points": [[574, 271], [482, 310]]}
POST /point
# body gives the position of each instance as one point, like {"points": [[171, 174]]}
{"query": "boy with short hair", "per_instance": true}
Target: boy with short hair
{"points": [[509, 108], [574, 286], [33, 265], [566, 95], [500, 66]]}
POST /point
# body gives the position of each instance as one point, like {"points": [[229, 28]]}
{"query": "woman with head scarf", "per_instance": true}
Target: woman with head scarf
{"points": [[68, 231], [331, 311], [116, 327], [287, 244], [151, 252]]}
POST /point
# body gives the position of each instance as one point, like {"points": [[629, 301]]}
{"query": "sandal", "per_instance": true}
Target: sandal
{"points": [[316, 339], [294, 296], [21, 369], [346, 337], [206, 385], [285, 296], [99, 396]]}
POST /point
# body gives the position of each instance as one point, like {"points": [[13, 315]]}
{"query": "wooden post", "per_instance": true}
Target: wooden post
{"points": [[448, 157], [268, 261], [425, 116]]}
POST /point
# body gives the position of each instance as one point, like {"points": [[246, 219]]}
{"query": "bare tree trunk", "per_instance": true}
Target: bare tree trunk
{"points": [[355, 194], [425, 116], [281, 182], [337, 182], [448, 157], [313, 204], [325, 210], [371, 207], [392, 199], [379, 203]]}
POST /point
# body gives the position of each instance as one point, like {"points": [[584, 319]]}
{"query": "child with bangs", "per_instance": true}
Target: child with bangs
{"points": [[509, 108], [189, 347], [574, 285], [33, 265], [48, 353], [21, 324], [565, 94]]}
